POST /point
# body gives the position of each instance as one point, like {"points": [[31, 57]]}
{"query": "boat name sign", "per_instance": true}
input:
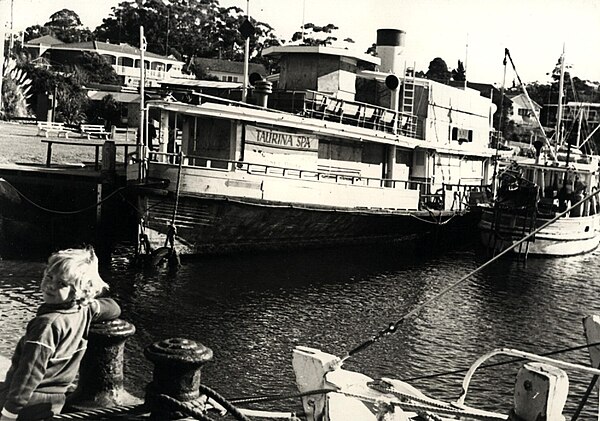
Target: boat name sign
{"points": [[279, 139]]}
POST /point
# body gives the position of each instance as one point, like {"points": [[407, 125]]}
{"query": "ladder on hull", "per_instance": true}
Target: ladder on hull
{"points": [[408, 123], [501, 236]]}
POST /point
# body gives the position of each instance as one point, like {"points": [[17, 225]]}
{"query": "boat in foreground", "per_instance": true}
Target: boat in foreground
{"points": [[327, 390], [332, 154]]}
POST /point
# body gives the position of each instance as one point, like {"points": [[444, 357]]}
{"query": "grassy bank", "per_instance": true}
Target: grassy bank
{"points": [[19, 143]]}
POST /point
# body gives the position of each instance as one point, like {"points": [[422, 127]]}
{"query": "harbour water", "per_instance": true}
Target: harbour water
{"points": [[252, 311]]}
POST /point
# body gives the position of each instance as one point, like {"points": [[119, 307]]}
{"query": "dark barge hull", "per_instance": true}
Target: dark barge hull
{"points": [[215, 224]]}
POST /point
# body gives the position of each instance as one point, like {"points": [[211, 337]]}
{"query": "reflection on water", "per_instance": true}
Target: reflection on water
{"points": [[252, 311]]}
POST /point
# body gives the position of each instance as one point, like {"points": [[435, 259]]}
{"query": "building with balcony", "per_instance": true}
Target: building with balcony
{"points": [[124, 58]]}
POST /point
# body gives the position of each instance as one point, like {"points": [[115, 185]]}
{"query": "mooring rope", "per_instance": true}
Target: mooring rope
{"points": [[138, 409], [58, 212], [428, 408], [393, 326]]}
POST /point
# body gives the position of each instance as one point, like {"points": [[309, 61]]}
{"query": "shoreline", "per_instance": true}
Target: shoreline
{"points": [[21, 145]]}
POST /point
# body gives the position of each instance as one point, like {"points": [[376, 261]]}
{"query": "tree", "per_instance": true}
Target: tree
{"points": [[36, 31], [185, 28], [15, 91], [92, 68], [438, 71], [71, 99], [317, 35], [64, 24]]}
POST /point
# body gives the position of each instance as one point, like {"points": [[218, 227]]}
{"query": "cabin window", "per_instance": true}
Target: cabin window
{"points": [[340, 151], [372, 153], [209, 138], [403, 157], [462, 135]]}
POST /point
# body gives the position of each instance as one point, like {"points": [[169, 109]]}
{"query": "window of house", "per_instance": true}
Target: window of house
{"points": [[524, 112]]}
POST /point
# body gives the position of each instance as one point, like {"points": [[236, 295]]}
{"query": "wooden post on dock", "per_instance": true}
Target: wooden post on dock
{"points": [[104, 227]]}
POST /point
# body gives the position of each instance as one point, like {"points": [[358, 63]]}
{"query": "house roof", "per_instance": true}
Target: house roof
{"points": [[125, 97], [320, 49], [227, 66], [195, 83], [46, 40], [521, 99], [106, 47]]}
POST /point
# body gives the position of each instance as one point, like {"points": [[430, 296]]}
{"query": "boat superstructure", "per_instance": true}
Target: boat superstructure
{"points": [[339, 148], [542, 195]]}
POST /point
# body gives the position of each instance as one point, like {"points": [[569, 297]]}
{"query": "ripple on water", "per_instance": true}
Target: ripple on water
{"points": [[253, 310]]}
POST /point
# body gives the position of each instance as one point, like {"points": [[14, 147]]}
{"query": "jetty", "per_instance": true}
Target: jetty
{"points": [[59, 191]]}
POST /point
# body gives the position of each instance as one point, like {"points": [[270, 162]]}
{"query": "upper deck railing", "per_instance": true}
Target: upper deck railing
{"points": [[317, 105]]}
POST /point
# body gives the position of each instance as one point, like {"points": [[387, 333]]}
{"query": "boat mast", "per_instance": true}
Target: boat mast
{"points": [[142, 144], [2, 33], [246, 56], [522, 85], [561, 85]]}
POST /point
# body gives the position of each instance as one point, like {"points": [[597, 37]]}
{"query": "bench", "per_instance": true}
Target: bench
{"points": [[95, 130], [46, 127]]}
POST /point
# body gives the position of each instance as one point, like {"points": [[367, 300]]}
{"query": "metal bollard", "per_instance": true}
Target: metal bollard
{"points": [[100, 382], [177, 370]]}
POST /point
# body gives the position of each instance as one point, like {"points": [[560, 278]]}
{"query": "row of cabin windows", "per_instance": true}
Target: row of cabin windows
{"points": [[229, 78]]}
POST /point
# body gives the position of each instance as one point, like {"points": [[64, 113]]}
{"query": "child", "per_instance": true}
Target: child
{"points": [[47, 357]]}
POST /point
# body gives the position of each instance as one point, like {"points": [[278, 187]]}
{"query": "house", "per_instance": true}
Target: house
{"points": [[124, 58], [522, 113], [226, 70]]}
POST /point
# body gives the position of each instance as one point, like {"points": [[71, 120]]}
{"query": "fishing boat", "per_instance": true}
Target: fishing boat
{"points": [[339, 148], [550, 196]]}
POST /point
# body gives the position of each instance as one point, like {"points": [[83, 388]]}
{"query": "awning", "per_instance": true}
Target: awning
{"points": [[124, 97]]}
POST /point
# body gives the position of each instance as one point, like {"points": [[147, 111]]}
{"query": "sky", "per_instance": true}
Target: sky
{"points": [[473, 31]]}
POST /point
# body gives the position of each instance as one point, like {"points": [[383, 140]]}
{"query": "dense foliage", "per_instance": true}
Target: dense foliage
{"points": [[185, 29], [64, 25]]}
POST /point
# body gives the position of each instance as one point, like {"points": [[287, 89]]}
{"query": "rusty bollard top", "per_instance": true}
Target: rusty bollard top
{"points": [[178, 351], [177, 371], [116, 329]]}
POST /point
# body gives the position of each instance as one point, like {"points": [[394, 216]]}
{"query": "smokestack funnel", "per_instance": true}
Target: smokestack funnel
{"points": [[390, 45]]}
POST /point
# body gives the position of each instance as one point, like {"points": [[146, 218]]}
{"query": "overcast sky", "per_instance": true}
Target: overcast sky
{"points": [[474, 31]]}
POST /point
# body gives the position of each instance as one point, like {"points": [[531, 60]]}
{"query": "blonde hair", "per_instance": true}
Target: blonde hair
{"points": [[79, 269]]}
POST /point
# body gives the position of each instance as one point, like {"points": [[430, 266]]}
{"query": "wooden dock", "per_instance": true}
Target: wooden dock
{"points": [[75, 193]]}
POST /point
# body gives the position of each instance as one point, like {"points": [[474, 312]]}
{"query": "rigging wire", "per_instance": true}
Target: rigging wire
{"points": [[393, 326]]}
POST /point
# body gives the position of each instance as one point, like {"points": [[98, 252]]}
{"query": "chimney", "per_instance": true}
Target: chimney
{"points": [[390, 45]]}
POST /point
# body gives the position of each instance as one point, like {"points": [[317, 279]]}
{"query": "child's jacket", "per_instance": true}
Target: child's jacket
{"points": [[47, 358]]}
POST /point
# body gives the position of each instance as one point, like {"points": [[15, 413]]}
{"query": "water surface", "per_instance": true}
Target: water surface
{"points": [[253, 310]]}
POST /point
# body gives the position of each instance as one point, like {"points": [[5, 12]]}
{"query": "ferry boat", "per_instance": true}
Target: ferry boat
{"points": [[338, 148], [550, 197]]}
